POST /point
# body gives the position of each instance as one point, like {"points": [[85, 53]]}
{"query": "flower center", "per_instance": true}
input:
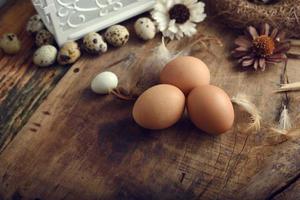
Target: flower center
{"points": [[264, 45], [180, 13]]}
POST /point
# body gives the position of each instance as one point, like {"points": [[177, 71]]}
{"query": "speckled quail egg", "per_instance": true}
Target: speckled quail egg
{"points": [[43, 37], [104, 83], [45, 56], [117, 35], [93, 43], [69, 53], [145, 28], [34, 24], [10, 43]]}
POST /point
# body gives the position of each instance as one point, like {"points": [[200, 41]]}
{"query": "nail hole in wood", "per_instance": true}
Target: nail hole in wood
{"points": [[76, 70]]}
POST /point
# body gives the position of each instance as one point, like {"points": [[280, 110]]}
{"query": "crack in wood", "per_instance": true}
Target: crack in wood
{"points": [[283, 188], [127, 58]]}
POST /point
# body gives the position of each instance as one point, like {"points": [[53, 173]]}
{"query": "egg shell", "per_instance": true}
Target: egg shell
{"points": [[44, 37], [69, 53], [93, 43], [104, 83], [186, 73], [145, 28], [35, 24], [45, 56], [117, 35], [210, 109], [159, 107], [10, 43]]}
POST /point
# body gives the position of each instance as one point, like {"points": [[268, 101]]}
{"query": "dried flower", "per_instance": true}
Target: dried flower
{"points": [[177, 18], [257, 49]]}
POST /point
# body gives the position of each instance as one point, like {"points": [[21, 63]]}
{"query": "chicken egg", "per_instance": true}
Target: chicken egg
{"points": [[210, 109], [186, 73], [159, 107], [104, 83]]}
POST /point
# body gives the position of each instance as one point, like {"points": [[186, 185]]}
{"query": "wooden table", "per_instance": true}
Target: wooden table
{"points": [[58, 140]]}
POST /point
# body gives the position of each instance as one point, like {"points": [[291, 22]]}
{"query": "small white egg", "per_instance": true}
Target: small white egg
{"points": [[94, 43], [117, 35], [35, 24], [104, 83], [45, 56], [145, 28]]}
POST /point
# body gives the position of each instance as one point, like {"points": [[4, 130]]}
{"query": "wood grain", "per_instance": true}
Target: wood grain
{"points": [[78, 145], [23, 86], [292, 192]]}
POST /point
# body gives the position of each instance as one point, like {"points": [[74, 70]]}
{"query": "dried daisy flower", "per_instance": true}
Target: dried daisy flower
{"points": [[257, 49], [178, 18]]}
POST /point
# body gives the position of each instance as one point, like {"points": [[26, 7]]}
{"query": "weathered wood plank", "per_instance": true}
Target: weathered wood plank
{"points": [[292, 192], [80, 145], [23, 86]]}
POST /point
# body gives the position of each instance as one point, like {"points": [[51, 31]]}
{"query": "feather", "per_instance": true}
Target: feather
{"points": [[161, 55], [147, 71], [242, 101], [152, 67], [285, 121]]}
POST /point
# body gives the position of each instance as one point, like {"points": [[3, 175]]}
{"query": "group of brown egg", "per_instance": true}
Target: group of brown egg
{"points": [[185, 83]]}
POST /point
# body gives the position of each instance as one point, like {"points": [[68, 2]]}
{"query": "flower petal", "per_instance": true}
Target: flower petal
{"points": [[247, 63], [168, 34], [245, 58], [243, 42], [172, 26], [255, 65], [252, 32], [243, 49], [169, 4], [262, 64], [190, 2], [159, 7], [275, 58], [281, 36], [274, 33], [198, 18], [188, 28], [265, 29], [238, 54], [161, 20], [283, 47]]}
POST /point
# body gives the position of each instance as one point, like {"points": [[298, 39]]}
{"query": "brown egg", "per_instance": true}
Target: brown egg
{"points": [[210, 109], [159, 107], [186, 73]]}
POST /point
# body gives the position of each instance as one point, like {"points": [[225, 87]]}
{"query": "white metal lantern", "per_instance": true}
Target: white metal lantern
{"points": [[72, 19]]}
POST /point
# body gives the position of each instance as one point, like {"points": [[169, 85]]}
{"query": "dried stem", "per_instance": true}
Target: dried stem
{"points": [[289, 87], [118, 94], [294, 42]]}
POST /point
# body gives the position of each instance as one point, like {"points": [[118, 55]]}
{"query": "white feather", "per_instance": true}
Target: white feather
{"points": [[242, 101], [285, 121], [152, 67]]}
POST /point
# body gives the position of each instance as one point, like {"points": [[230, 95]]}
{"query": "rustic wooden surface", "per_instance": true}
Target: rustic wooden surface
{"points": [[22, 85], [78, 145]]}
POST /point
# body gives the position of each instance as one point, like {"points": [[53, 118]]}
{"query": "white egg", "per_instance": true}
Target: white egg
{"points": [[145, 28], [104, 83]]}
